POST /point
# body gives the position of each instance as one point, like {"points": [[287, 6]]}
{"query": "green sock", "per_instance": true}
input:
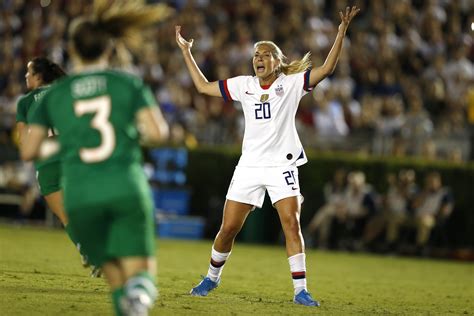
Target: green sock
{"points": [[117, 295]]}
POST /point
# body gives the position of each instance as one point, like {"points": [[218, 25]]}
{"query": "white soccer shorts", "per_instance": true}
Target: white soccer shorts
{"points": [[248, 184]]}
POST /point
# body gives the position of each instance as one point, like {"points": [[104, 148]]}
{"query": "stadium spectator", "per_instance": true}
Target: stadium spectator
{"points": [[271, 149], [8, 150], [432, 207], [329, 121], [18, 192], [345, 85], [399, 204], [360, 204], [418, 127], [334, 195], [388, 125], [102, 115], [396, 209]]}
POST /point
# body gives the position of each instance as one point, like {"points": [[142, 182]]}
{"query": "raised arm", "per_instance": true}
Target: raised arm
{"points": [[319, 73], [200, 81]]}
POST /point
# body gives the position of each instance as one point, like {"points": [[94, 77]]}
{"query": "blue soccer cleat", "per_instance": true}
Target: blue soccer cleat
{"points": [[304, 298], [204, 287]]}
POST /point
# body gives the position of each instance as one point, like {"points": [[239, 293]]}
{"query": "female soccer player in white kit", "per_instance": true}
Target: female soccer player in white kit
{"points": [[271, 149]]}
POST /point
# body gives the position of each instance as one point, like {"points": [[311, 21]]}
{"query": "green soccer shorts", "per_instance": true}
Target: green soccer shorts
{"points": [[49, 178], [114, 229]]}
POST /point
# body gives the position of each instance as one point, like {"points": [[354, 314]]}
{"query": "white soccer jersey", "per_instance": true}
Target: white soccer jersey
{"points": [[270, 137]]}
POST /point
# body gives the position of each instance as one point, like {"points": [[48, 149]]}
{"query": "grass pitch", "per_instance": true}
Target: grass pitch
{"points": [[40, 274]]}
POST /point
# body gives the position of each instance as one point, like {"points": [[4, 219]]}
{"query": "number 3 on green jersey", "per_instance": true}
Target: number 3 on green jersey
{"points": [[100, 107]]}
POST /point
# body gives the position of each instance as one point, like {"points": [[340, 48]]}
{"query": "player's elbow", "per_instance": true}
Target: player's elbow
{"points": [[160, 134], [164, 132], [205, 88], [155, 135], [201, 88], [152, 126]]}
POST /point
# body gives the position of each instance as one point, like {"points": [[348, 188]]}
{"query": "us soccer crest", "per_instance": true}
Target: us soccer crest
{"points": [[264, 97], [279, 90]]}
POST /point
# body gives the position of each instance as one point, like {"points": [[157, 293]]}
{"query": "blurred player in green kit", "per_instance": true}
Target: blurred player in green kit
{"points": [[41, 73], [101, 115]]}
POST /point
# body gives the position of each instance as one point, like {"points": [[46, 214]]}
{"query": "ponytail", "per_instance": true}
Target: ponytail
{"points": [[297, 66], [294, 66], [119, 20]]}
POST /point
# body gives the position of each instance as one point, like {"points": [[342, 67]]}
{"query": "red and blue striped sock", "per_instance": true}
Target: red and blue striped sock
{"points": [[298, 271], [218, 260]]}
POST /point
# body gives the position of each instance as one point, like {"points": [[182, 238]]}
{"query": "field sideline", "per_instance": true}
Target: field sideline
{"points": [[40, 274]]}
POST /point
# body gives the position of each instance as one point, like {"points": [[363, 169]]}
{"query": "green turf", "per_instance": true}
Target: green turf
{"points": [[40, 274]]}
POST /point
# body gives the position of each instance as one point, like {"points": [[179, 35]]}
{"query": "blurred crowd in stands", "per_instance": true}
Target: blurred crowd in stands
{"points": [[404, 85], [357, 216]]}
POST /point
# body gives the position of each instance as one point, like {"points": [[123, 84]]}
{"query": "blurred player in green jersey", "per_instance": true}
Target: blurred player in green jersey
{"points": [[40, 74], [100, 115]]}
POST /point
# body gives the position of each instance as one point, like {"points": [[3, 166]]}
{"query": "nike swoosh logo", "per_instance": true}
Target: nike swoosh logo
{"points": [[293, 188], [246, 92]]}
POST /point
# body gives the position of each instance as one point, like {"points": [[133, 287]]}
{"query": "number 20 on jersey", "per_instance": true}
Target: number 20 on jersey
{"points": [[262, 111]]}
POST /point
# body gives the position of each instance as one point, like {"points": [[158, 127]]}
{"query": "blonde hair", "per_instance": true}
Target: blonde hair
{"points": [[294, 66], [114, 20]]}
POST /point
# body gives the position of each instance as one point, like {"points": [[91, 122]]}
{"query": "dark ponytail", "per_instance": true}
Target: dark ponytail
{"points": [[48, 70]]}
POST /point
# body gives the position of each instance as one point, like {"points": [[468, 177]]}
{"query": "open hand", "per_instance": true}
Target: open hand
{"points": [[347, 17], [182, 43]]}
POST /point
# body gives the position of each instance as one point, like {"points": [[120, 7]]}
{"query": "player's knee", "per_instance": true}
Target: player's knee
{"points": [[229, 231], [291, 227]]}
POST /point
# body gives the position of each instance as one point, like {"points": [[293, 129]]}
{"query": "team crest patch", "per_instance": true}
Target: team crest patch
{"points": [[279, 90]]}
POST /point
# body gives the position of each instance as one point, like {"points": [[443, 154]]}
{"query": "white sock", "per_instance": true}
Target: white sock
{"points": [[140, 292], [218, 260], [298, 271]]}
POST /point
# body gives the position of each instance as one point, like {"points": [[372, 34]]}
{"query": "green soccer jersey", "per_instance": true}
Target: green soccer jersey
{"points": [[25, 107], [94, 113]]}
